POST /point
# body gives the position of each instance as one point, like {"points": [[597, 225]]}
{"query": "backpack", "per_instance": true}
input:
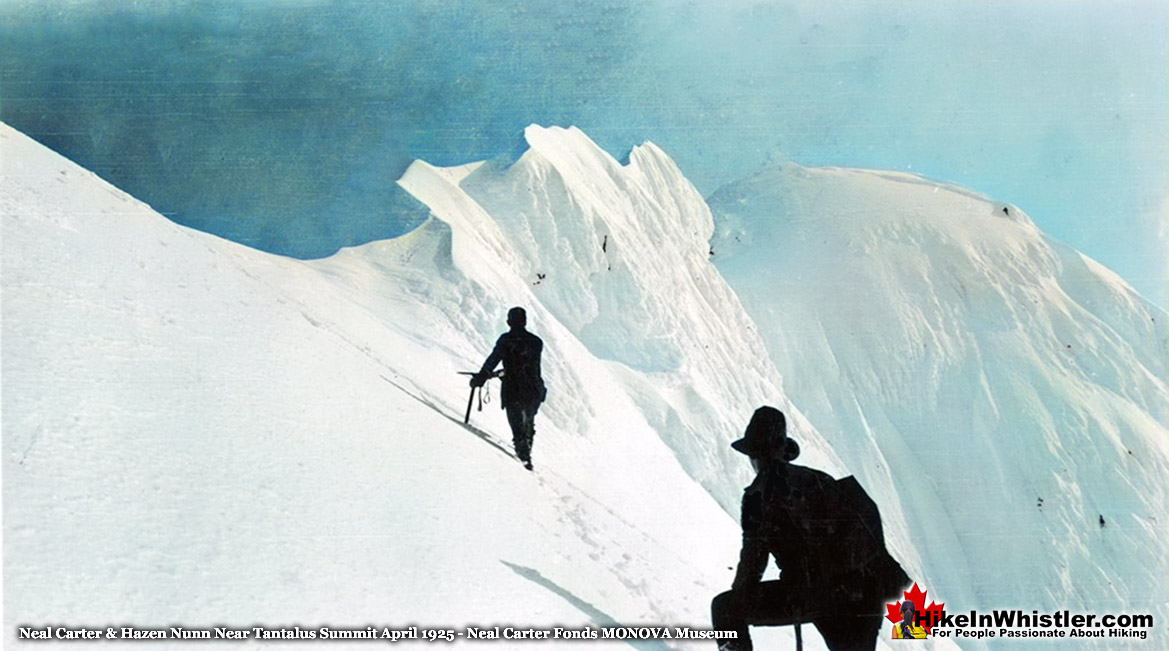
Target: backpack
{"points": [[859, 530]]}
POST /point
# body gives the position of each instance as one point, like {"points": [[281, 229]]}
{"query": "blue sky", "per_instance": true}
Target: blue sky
{"points": [[279, 123]]}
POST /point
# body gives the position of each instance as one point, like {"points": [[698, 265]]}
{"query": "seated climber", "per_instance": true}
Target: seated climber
{"points": [[827, 540]]}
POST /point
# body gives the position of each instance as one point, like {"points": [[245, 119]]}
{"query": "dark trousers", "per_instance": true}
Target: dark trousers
{"points": [[522, 419], [843, 626]]}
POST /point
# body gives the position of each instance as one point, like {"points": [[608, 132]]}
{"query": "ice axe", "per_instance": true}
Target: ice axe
{"points": [[471, 398]]}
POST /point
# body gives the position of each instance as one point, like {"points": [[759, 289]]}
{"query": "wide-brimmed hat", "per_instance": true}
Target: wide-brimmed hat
{"points": [[765, 433]]}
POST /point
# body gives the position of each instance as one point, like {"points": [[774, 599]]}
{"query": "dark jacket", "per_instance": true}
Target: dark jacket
{"points": [[825, 535], [519, 350]]}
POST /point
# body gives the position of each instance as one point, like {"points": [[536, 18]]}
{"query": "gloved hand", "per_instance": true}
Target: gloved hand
{"points": [[478, 380]]}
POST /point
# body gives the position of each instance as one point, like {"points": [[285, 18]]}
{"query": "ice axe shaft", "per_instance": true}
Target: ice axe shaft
{"points": [[470, 401], [471, 398]]}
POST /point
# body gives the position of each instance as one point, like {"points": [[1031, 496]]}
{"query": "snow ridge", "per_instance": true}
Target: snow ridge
{"points": [[619, 255], [198, 433], [994, 391]]}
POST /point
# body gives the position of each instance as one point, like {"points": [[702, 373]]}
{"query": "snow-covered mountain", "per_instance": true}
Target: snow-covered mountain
{"points": [[1006, 396], [619, 254], [196, 432]]}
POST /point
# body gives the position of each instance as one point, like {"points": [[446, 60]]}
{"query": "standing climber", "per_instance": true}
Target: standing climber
{"points": [[523, 387]]}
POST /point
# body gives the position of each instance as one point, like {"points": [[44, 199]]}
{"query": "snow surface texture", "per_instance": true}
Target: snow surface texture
{"points": [[250, 437], [619, 256], [198, 433], [997, 391]]}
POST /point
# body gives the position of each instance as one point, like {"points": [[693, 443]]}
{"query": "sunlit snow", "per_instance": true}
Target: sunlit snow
{"points": [[196, 432]]}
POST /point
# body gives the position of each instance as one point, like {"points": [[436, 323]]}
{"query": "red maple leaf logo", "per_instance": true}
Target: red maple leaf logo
{"points": [[917, 596]]}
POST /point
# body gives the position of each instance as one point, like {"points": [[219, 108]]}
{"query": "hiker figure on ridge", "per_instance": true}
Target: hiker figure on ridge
{"points": [[523, 388], [826, 538]]}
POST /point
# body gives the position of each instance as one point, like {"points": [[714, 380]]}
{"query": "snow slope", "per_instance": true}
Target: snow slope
{"points": [[249, 437], [197, 433], [1000, 392], [618, 254]]}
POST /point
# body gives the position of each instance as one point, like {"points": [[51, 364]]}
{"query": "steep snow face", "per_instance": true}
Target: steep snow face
{"points": [[1004, 396], [618, 254], [197, 433]]}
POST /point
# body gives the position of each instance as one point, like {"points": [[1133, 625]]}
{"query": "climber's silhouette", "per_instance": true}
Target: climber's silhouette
{"points": [[827, 539], [523, 387]]}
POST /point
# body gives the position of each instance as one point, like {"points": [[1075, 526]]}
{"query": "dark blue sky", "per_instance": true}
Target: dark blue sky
{"points": [[282, 124]]}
